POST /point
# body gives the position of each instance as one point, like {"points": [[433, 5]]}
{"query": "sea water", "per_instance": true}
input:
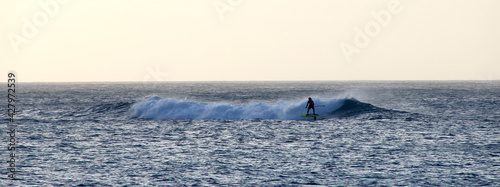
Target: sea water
{"points": [[251, 134]]}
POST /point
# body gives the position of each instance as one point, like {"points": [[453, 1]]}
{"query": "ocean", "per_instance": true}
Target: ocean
{"points": [[369, 133]]}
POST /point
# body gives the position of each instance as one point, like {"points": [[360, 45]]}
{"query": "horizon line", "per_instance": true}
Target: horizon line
{"points": [[357, 80]]}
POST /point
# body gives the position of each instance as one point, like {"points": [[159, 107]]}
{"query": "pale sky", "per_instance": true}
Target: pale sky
{"points": [[226, 40]]}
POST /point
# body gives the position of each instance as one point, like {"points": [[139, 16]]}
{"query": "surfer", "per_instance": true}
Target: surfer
{"points": [[311, 105]]}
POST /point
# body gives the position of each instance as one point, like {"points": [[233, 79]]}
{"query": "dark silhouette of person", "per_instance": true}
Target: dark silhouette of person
{"points": [[310, 103]]}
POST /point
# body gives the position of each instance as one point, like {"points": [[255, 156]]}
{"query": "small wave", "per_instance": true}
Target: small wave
{"points": [[106, 107], [355, 108], [100, 109], [352, 107]]}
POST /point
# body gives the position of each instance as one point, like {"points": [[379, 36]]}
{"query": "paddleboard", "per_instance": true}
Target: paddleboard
{"points": [[310, 115]]}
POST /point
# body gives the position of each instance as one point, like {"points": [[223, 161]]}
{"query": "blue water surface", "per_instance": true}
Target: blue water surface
{"points": [[251, 134]]}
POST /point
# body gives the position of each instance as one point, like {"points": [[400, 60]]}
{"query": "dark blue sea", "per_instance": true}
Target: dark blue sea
{"points": [[369, 133]]}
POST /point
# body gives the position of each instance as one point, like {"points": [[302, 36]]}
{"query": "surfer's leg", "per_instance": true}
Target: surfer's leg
{"points": [[314, 111]]}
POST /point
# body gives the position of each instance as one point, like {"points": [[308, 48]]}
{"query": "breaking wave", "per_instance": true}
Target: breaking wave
{"points": [[168, 108]]}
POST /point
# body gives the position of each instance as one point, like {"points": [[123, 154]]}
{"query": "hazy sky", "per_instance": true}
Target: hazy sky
{"points": [[198, 40]]}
